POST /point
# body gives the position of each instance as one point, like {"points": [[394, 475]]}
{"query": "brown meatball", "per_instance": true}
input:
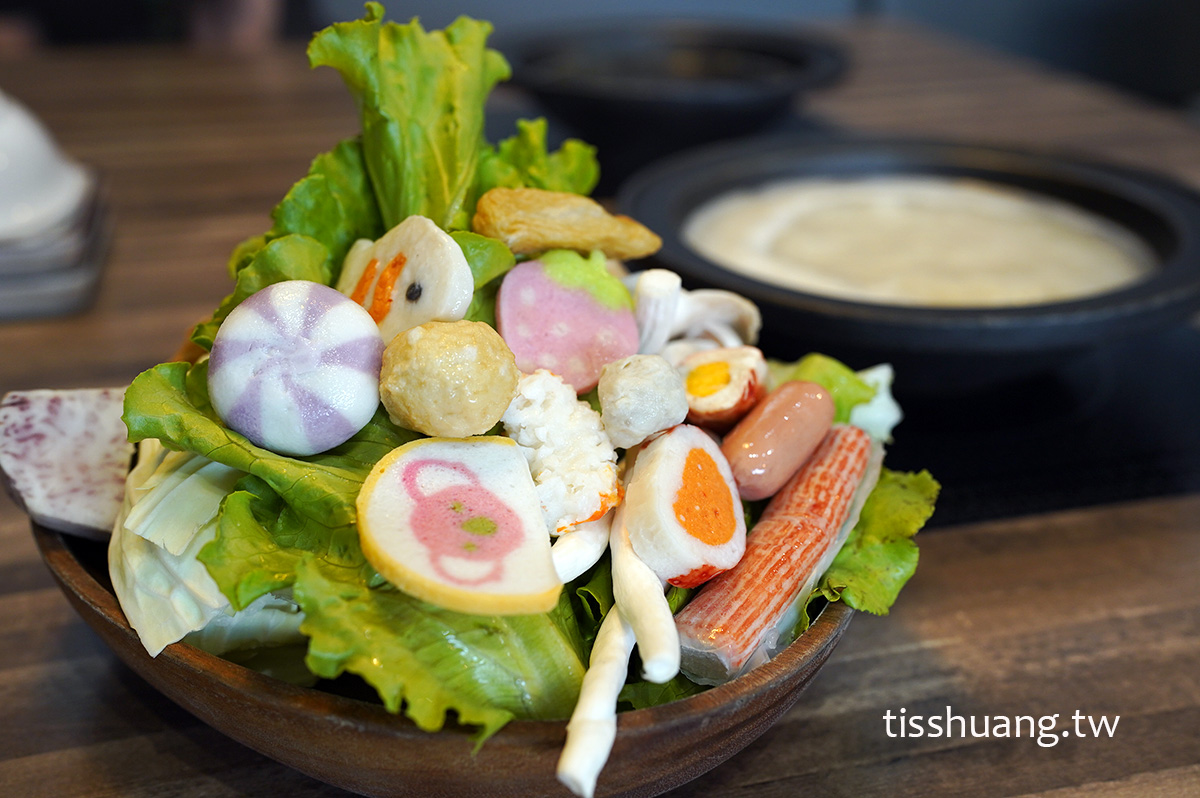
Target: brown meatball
{"points": [[450, 379]]}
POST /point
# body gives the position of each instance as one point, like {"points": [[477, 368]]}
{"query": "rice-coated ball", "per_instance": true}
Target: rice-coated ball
{"points": [[449, 379]]}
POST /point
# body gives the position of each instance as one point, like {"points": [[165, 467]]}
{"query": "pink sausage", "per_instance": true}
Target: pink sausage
{"points": [[774, 439]]}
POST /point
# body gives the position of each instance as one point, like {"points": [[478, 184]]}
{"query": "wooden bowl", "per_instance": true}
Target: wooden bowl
{"points": [[357, 745]]}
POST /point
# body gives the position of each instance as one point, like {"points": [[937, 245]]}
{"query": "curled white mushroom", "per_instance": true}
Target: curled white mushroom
{"points": [[593, 725], [679, 350], [666, 311], [731, 319], [638, 592], [656, 297]]}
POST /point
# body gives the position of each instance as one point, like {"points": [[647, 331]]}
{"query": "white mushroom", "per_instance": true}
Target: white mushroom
{"points": [[730, 318], [593, 725], [665, 311], [581, 547], [681, 349], [656, 297], [638, 593]]}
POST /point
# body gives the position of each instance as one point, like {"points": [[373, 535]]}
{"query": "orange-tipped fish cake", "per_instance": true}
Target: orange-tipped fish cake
{"points": [[682, 509]]}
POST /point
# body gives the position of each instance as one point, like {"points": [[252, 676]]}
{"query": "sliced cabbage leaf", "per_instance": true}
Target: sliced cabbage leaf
{"points": [[166, 593], [880, 414], [273, 618]]}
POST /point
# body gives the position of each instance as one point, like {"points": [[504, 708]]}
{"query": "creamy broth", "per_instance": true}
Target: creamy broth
{"points": [[917, 241]]}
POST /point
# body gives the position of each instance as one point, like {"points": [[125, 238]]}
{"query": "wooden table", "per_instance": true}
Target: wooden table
{"points": [[1095, 610]]}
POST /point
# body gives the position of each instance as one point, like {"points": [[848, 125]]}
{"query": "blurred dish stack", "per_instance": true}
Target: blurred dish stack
{"points": [[54, 224]]}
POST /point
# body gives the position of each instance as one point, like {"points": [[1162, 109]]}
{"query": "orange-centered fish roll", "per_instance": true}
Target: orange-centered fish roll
{"points": [[739, 612], [682, 508], [723, 385]]}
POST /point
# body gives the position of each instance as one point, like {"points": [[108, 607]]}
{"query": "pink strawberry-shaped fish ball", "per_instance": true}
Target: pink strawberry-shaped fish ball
{"points": [[566, 314], [295, 368]]}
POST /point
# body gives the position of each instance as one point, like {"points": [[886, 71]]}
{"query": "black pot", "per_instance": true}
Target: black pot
{"points": [[935, 349]]}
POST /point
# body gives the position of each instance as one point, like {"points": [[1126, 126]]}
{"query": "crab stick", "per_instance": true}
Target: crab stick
{"points": [[736, 620]]}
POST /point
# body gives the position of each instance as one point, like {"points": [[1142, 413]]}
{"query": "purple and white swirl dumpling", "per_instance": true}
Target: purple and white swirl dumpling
{"points": [[295, 368]]}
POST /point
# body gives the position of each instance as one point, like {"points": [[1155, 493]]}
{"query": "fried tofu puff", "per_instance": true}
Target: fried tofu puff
{"points": [[532, 220]]}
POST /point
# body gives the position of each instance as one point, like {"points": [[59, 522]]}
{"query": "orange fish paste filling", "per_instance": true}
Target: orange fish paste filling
{"points": [[704, 504]]}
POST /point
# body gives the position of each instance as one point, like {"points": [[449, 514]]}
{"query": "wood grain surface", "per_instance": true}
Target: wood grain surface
{"points": [[1094, 610]]}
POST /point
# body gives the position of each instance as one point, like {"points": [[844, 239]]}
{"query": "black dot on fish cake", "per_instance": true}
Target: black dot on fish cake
{"points": [[414, 292]]}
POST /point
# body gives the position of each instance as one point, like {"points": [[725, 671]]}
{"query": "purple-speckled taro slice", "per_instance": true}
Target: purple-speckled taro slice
{"points": [[64, 456]]}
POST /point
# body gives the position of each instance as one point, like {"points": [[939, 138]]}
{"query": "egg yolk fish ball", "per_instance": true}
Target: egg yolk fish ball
{"points": [[682, 508]]}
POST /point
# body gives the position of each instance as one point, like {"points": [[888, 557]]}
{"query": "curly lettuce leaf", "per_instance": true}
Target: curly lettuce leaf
{"points": [[259, 542], [421, 102], [411, 652], [314, 226], [429, 661], [522, 161], [292, 257], [880, 555], [488, 258], [333, 203]]}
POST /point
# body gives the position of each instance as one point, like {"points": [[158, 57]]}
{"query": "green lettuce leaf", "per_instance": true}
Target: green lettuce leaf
{"points": [[523, 161], [487, 257], [247, 558], [314, 226], [487, 669], [640, 695], [421, 101], [333, 203], [880, 554], [847, 388], [170, 402], [292, 257]]}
